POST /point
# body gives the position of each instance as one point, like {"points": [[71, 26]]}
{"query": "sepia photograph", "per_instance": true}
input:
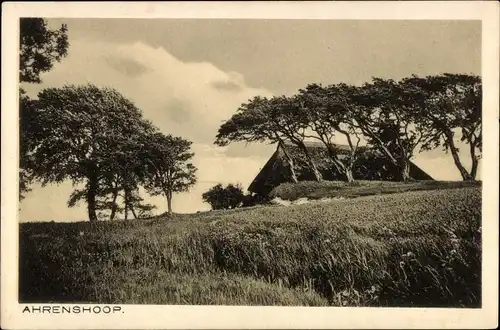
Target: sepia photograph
{"points": [[249, 162]]}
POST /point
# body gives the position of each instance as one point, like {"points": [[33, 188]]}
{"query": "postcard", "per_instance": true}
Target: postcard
{"points": [[268, 165]]}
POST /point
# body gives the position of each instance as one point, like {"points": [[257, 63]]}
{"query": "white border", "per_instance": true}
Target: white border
{"points": [[225, 317]]}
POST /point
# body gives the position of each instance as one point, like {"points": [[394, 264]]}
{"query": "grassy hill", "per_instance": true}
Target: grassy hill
{"points": [[339, 189], [413, 248]]}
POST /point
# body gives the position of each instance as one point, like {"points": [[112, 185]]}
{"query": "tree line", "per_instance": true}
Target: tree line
{"points": [[92, 136], [394, 117], [98, 139]]}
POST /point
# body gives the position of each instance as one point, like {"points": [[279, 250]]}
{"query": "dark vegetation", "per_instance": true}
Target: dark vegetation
{"points": [[221, 198], [419, 248], [96, 138], [231, 196], [396, 118], [40, 48]]}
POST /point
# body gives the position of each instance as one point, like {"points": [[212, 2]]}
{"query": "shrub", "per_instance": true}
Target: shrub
{"points": [[221, 198]]}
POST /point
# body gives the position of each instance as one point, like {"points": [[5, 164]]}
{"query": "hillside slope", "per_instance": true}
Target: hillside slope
{"points": [[420, 248], [340, 189]]}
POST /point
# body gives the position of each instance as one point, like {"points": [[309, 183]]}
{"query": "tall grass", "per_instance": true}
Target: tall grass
{"points": [[336, 189], [419, 248]]}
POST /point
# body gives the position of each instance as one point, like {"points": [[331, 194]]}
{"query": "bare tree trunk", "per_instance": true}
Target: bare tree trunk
{"points": [[344, 170], [133, 211], [169, 203], [473, 172], [341, 168], [91, 205], [289, 160], [317, 175], [454, 152], [405, 170], [168, 195], [114, 206], [475, 161], [125, 197], [91, 196], [353, 153], [348, 174]]}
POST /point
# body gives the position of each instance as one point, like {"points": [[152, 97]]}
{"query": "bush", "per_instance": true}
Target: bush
{"points": [[221, 198], [254, 200]]}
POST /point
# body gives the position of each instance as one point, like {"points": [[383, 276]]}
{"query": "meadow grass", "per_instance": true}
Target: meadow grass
{"points": [[418, 248], [336, 189]]}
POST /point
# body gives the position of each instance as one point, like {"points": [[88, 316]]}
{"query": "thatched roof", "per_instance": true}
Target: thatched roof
{"points": [[317, 144], [371, 165]]}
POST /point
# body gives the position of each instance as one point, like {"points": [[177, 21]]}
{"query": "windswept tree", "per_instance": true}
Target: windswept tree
{"points": [[450, 105], [40, 48], [329, 112], [388, 118], [125, 170], [110, 192], [107, 196], [169, 168], [221, 198], [108, 202], [251, 124], [83, 131], [276, 120], [122, 173], [288, 117]]}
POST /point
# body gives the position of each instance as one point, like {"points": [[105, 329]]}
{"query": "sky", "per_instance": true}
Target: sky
{"points": [[190, 75]]}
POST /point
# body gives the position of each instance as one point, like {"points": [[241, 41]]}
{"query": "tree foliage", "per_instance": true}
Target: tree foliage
{"points": [[85, 134], [329, 112], [28, 129], [388, 118], [96, 137], [228, 197], [40, 47], [396, 118], [277, 119], [450, 104], [168, 166]]}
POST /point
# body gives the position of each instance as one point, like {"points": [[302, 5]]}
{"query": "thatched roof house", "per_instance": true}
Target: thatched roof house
{"points": [[371, 165]]}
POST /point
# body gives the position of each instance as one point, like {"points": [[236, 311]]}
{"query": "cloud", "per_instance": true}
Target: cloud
{"points": [[128, 67], [249, 150], [182, 98], [229, 86], [179, 110], [234, 82]]}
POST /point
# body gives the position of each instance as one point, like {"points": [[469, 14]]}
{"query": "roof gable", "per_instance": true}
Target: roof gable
{"points": [[319, 145]]}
